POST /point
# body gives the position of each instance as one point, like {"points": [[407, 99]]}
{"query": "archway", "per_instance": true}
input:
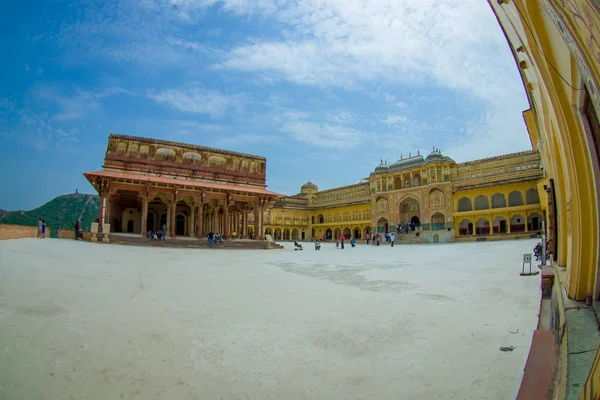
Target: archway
{"points": [[320, 219], [277, 234], [150, 222], [436, 238], [130, 226], [465, 227], [328, 234], [438, 222], [515, 198], [250, 232], [499, 225], [534, 222], [498, 200], [481, 203], [295, 234], [464, 204], [366, 231], [180, 225], [517, 223], [482, 227], [382, 225], [356, 233], [286, 234], [532, 197], [337, 233], [346, 233], [409, 208]]}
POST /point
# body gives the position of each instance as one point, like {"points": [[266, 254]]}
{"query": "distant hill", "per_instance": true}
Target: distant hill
{"points": [[62, 211]]}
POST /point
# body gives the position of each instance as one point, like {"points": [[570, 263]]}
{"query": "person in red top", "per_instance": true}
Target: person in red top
{"points": [[342, 241]]}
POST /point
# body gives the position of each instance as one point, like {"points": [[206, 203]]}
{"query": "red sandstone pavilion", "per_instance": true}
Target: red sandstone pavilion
{"points": [[147, 183]]}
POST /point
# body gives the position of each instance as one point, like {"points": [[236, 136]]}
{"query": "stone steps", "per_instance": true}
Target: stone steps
{"points": [[192, 244]]}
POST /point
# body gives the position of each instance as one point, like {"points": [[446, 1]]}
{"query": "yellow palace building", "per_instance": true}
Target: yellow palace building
{"points": [[489, 199]]}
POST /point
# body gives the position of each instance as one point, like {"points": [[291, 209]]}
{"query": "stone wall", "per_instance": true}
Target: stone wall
{"points": [[19, 232]]}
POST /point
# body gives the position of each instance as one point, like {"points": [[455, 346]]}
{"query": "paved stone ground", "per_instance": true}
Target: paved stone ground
{"points": [[89, 321]]}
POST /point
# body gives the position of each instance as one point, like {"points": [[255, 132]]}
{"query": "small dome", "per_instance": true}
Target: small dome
{"points": [[434, 155], [309, 187], [382, 167]]}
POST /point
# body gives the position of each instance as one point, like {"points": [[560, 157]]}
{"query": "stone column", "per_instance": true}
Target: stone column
{"points": [[245, 223], [526, 227], [144, 197], [200, 221], [256, 218], [174, 218], [226, 222], [192, 220]]}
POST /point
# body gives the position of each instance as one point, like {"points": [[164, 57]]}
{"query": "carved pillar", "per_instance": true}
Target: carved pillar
{"points": [[174, 217], [526, 227], [245, 223], [144, 198], [256, 218], [226, 222], [199, 222], [192, 220]]}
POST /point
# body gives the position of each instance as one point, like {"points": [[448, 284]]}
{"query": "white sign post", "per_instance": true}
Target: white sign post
{"points": [[527, 260]]}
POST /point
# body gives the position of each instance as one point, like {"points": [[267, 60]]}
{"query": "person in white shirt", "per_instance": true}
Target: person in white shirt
{"points": [[392, 238]]}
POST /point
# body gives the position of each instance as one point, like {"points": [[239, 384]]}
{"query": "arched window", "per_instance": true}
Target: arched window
{"points": [[464, 204], [532, 196], [498, 200], [481, 202], [397, 183], [320, 219], [191, 158], [216, 161], [382, 205], [515, 198], [436, 198], [165, 155]]}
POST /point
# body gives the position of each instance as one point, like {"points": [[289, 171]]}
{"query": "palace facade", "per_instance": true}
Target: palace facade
{"points": [[493, 198]]}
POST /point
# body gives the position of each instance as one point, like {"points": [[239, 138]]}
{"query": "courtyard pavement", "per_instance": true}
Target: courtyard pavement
{"points": [[80, 320]]}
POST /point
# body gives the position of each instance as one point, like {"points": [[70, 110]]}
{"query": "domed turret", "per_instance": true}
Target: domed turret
{"points": [[434, 155], [411, 161], [309, 187], [382, 167]]}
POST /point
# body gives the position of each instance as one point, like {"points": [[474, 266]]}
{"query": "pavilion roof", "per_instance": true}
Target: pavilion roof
{"points": [[140, 178]]}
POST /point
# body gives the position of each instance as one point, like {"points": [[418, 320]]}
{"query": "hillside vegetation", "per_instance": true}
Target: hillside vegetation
{"points": [[62, 211]]}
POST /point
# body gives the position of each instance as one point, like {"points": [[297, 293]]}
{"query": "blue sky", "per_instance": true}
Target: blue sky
{"points": [[323, 88]]}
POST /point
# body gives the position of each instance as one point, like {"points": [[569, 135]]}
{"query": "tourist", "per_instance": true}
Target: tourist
{"points": [[342, 242], [352, 241], [164, 231], [77, 227], [337, 244], [317, 245], [211, 237], [392, 238], [218, 238], [368, 238], [43, 228], [39, 225]]}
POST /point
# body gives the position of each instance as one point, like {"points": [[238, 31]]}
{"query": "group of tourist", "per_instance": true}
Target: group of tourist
{"points": [[214, 238], [41, 225]]}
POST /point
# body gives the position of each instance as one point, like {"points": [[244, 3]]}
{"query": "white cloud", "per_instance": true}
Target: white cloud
{"points": [[395, 119], [195, 99]]}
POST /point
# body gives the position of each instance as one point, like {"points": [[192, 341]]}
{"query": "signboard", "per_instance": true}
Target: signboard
{"points": [[527, 258]]}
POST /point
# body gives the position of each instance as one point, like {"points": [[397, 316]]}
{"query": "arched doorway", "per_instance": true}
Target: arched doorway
{"points": [[482, 227], [499, 225], [295, 234], [534, 221], [367, 231], [410, 211], [436, 238], [356, 233], [517, 223], [130, 226], [347, 233], [150, 222], [337, 233], [277, 234], [286, 234], [328, 234], [465, 227], [382, 225], [180, 225]]}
